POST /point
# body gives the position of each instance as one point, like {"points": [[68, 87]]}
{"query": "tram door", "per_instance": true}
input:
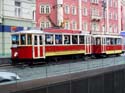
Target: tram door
{"points": [[103, 43], [38, 47], [88, 44]]}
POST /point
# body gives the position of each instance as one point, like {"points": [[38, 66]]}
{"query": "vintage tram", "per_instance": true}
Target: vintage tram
{"points": [[54, 43]]}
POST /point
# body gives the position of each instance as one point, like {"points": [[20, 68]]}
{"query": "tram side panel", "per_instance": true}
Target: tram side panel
{"points": [[22, 52], [113, 49], [59, 50]]}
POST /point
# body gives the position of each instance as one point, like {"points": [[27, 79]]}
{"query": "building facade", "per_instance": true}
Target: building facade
{"points": [[15, 15], [123, 15], [89, 16]]}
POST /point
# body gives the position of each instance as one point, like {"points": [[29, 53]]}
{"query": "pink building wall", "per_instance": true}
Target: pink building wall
{"points": [[42, 17], [99, 20]]}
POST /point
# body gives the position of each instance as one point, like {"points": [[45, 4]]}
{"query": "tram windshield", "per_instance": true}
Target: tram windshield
{"points": [[15, 39]]}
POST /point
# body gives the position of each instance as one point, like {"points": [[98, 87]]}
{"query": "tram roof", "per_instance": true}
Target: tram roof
{"points": [[108, 36], [51, 31], [29, 31]]}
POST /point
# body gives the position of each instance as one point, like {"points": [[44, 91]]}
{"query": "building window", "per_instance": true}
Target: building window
{"points": [[110, 15], [95, 12], [45, 24], [84, 0], [17, 8], [95, 26], [110, 3], [110, 28], [34, 15], [85, 26], [67, 25], [115, 4], [45, 9], [103, 28], [74, 25], [94, 1], [74, 10], [85, 13], [115, 28], [67, 9], [115, 16]]}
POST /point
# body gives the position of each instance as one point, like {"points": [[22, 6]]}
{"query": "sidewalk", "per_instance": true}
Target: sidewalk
{"points": [[5, 59]]}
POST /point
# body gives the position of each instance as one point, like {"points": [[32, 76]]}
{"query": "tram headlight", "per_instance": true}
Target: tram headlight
{"points": [[15, 54]]}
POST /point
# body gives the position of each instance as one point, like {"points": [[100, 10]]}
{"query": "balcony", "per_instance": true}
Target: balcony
{"points": [[95, 18]]}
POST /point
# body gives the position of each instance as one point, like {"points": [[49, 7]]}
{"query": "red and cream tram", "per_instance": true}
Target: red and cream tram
{"points": [[104, 45], [37, 44], [54, 43]]}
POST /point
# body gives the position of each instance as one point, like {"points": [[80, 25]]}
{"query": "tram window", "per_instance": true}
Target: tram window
{"points": [[29, 39], [23, 39], [74, 39], [40, 39], [108, 41], [98, 41], [115, 41], [103, 41], [35, 40], [81, 39], [119, 41], [49, 39], [58, 39], [66, 39], [111, 41], [15, 39]]}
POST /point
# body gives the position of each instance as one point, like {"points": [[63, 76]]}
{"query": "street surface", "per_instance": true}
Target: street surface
{"points": [[49, 70]]}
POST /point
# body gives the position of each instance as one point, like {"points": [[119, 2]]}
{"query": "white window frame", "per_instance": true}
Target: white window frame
{"points": [[45, 24], [67, 9], [67, 25], [85, 26], [74, 25], [74, 10], [17, 9], [45, 9], [85, 11]]}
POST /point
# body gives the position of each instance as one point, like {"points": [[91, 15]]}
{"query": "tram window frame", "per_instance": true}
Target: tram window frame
{"points": [[29, 40], [16, 41], [80, 39], [67, 39], [22, 42], [74, 39], [49, 39], [58, 39]]}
